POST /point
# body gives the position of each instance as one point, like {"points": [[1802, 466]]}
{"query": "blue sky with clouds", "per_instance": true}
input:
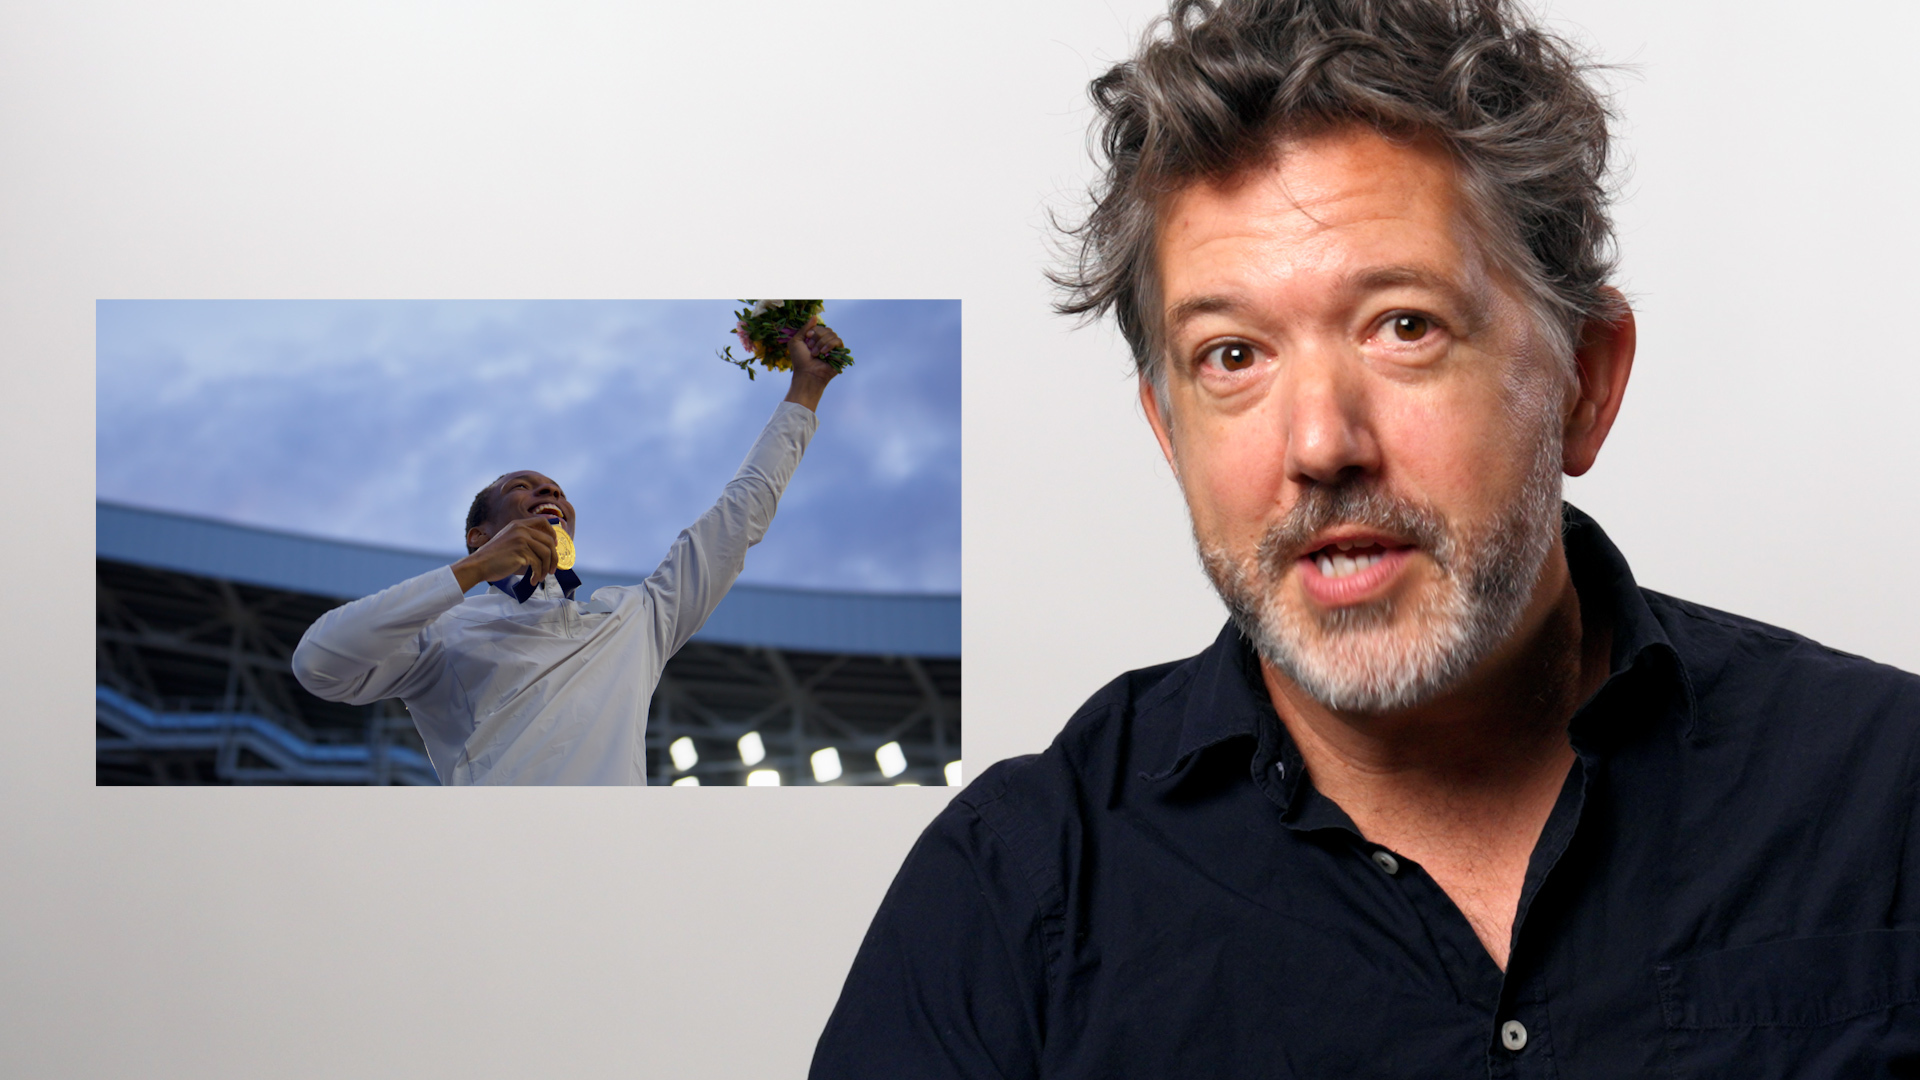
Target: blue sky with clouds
{"points": [[377, 421]]}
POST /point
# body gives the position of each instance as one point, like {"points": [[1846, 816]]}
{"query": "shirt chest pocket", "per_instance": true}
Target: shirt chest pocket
{"points": [[1846, 1004]]}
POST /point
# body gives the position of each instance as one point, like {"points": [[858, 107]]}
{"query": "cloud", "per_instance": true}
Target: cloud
{"points": [[377, 421]]}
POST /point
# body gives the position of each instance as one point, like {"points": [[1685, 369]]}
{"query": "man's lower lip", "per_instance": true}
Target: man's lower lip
{"points": [[1360, 586]]}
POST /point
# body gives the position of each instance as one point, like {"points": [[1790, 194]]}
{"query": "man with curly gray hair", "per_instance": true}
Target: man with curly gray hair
{"points": [[1450, 795]]}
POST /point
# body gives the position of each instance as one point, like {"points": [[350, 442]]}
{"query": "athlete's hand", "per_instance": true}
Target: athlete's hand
{"points": [[522, 544], [811, 374]]}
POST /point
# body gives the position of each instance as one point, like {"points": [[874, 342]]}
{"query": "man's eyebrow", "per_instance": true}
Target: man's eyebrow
{"points": [[1389, 277], [1366, 281], [1195, 306]]}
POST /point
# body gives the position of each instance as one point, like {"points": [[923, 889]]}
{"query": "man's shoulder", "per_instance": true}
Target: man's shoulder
{"points": [[1738, 666], [1123, 728]]}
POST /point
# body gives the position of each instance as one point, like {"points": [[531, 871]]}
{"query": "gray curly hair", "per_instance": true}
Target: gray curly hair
{"points": [[1216, 86]]}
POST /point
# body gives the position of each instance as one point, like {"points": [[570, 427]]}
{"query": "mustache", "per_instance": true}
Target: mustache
{"points": [[1361, 503]]}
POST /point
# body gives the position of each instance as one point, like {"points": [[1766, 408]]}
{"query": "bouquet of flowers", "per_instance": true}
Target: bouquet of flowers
{"points": [[766, 326]]}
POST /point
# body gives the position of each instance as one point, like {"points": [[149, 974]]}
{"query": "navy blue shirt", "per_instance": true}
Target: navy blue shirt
{"points": [[1728, 886]]}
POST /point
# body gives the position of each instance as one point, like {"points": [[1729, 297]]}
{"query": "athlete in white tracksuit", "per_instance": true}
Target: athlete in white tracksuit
{"points": [[552, 690]]}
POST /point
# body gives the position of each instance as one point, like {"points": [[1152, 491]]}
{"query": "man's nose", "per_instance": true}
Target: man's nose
{"points": [[1328, 427]]}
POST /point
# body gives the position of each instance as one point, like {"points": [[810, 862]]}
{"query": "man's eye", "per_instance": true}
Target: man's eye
{"points": [[1232, 356], [1411, 327]]}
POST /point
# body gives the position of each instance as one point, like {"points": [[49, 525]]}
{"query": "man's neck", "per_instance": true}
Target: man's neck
{"points": [[1463, 784]]}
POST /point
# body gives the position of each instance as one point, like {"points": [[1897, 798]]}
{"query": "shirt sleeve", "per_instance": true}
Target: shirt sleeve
{"points": [[709, 554], [376, 647], [951, 979]]}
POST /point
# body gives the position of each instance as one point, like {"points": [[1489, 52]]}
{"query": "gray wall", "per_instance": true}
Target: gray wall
{"points": [[1764, 463]]}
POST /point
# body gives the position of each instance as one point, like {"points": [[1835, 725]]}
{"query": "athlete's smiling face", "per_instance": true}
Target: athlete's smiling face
{"points": [[1363, 414], [529, 494]]}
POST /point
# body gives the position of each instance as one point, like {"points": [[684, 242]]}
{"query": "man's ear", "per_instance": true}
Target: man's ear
{"points": [[1150, 402], [1604, 360], [478, 536]]}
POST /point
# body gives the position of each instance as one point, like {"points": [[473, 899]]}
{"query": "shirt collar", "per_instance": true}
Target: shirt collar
{"points": [[518, 588], [1219, 695], [1215, 697], [1642, 651]]}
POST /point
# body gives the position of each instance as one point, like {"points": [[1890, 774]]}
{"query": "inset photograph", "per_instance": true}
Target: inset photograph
{"points": [[688, 543]]}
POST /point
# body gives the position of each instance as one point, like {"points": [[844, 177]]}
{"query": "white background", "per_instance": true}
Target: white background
{"points": [[1764, 461]]}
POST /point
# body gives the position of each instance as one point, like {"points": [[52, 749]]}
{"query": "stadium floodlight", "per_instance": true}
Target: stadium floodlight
{"points": [[892, 759], [907, 783], [953, 774], [764, 778], [826, 765], [752, 750], [687, 781], [684, 755]]}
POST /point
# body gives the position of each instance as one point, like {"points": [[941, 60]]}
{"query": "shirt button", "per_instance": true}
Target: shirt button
{"points": [[1392, 866], [1513, 1035]]}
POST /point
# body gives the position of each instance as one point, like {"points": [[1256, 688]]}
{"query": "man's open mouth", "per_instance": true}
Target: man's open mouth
{"points": [[547, 509], [1344, 558]]}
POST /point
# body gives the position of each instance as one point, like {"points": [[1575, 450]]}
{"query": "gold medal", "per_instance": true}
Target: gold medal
{"points": [[564, 544]]}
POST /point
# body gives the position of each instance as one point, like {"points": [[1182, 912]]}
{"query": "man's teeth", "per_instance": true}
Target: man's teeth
{"points": [[1339, 565]]}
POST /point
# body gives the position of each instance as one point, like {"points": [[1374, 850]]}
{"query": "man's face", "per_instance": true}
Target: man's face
{"points": [[529, 494], [1363, 417]]}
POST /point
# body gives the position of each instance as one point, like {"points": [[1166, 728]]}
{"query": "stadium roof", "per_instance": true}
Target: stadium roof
{"points": [[893, 624]]}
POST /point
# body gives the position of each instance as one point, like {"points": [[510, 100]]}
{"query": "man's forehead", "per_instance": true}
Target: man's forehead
{"points": [[524, 474], [1338, 180], [1349, 204]]}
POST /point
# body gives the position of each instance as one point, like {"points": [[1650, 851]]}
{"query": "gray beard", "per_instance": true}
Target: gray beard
{"points": [[1356, 659]]}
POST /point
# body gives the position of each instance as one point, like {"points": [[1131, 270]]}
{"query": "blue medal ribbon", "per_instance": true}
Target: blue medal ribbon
{"points": [[521, 586]]}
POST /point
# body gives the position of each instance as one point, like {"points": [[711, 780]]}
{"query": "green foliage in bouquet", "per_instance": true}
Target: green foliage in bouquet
{"points": [[765, 326]]}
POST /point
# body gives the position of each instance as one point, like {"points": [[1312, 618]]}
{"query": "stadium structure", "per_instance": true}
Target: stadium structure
{"points": [[198, 619]]}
